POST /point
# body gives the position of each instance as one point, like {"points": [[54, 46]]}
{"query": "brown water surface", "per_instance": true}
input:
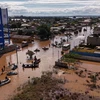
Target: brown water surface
{"points": [[48, 59]]}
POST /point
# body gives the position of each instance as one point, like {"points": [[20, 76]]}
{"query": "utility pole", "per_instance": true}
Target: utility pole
{"points": [[17, 58], [16, 55]]}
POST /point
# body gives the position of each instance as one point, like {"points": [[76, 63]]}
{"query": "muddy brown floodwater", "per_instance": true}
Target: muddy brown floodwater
{"points": [[48, 59]]}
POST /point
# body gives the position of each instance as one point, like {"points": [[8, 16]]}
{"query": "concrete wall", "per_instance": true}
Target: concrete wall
{"points": [[88, 56]]}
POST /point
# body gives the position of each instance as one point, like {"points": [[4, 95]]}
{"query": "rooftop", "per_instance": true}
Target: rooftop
{"points": [[21, 36]]}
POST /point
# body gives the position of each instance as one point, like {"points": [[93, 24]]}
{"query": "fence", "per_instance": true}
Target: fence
{"points": [[88, 56]]}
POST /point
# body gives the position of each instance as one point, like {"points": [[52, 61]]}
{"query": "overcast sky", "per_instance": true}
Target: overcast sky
{"points": [[51, 7]]}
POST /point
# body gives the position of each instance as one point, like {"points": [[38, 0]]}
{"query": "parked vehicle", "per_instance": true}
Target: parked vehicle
{"points": [[66, 47], [36, 50], [45, 48], [24, 44], [5, 81], [33, 65], [14, 67], [11, 73], [53, 45], [30, 65]]}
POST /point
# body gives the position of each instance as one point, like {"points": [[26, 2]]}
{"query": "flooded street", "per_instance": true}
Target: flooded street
{"points": [[48, 59]]}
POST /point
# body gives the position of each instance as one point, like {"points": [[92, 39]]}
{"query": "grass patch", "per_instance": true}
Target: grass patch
{"points": [[47, 88], [82, 49]]}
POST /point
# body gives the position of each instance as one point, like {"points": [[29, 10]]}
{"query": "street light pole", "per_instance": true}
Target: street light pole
{"points": [[16, 55], [17, 59]]}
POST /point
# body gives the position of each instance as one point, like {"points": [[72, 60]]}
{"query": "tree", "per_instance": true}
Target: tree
{"points": [[30, 53], [18, 24], [44, 32], [29, 33], [15, 25], [62, 30], [20, 32]]}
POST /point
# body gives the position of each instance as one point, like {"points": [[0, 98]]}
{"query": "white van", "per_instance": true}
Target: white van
{"points": [[66, 47]]}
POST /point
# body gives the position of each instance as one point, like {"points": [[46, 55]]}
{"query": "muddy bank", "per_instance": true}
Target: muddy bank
{"points": [[83, 79], [48, 88]]}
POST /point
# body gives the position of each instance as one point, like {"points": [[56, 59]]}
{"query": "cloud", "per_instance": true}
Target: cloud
{"points": [[51, 7]]}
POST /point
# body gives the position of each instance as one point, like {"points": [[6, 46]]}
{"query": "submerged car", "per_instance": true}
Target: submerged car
{"points": [[11, 73]]}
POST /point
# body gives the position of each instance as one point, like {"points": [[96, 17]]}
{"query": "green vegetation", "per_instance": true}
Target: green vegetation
{"points": [[46, 88], [44, 32], [84, 49], [39, 88], [15, 25], [93, 79], [70, 58], [20, 32], [71, 55]]}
